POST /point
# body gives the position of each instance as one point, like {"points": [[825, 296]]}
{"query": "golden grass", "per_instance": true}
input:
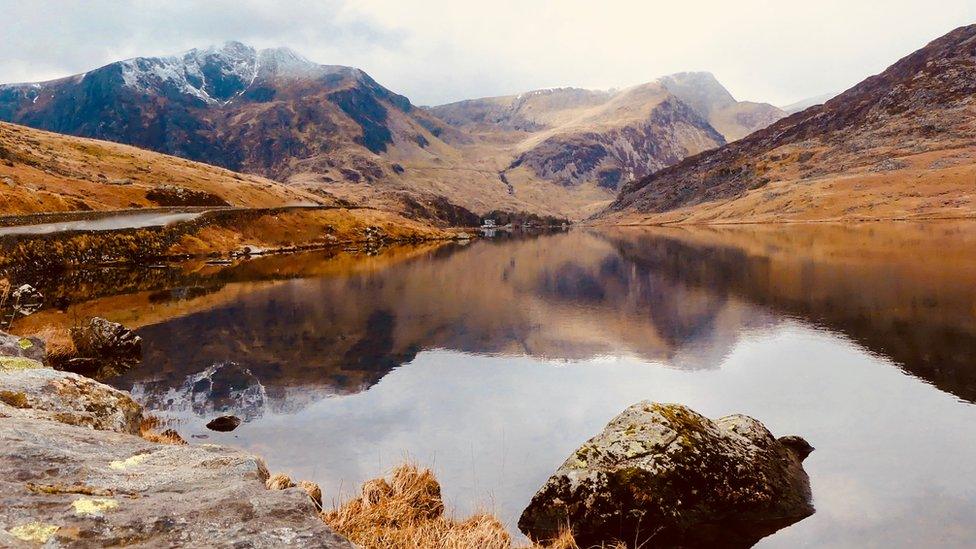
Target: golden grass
{"points": [[57, 341], [406, 511]]}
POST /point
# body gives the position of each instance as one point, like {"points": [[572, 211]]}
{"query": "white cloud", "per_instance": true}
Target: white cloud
{"points": [[438, 50]]}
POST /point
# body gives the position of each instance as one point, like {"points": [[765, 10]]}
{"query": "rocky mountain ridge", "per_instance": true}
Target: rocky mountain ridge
{"points": [[333, 129]]}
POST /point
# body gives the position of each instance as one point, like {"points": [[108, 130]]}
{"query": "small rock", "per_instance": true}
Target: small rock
{"points": [[664, 475], [26, 299], [224, 424]]}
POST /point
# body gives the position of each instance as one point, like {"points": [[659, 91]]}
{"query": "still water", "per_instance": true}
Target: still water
{"points": [[492, 362]]}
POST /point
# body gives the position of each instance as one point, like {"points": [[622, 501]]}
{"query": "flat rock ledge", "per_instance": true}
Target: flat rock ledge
{"points": [[663, 475], [76, 475]]}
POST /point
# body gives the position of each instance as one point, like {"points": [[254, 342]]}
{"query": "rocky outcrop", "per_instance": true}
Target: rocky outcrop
{"points": [[664, 475], [26, 300], [76, 476], [36, 392]]}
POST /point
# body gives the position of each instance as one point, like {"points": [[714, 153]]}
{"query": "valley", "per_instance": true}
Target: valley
{"points": [[333, 131], [248, 299]]}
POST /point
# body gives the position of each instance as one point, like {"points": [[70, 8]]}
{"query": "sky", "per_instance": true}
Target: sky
{"points": [[438, 51]]}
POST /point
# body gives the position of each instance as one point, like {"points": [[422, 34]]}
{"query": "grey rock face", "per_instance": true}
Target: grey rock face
{"points": [[663, 475], [69, 483]]}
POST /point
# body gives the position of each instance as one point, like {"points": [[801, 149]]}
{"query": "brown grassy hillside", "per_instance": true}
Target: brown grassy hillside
{"points": [[47, 172]]}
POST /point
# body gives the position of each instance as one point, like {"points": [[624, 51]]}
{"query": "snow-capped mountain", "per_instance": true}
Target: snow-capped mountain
{"points": [[266, 111]]}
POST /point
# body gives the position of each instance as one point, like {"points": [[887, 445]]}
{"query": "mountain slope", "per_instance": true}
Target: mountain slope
{"points": [[47, 172], [84, 181], [899, 144], [206, 104], [805, 104]]}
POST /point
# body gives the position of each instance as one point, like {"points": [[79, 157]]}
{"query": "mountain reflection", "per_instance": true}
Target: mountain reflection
{"points": [[681, 297]]}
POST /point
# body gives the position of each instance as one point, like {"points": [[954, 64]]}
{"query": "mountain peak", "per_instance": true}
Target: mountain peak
{"points": [[700, 90]]}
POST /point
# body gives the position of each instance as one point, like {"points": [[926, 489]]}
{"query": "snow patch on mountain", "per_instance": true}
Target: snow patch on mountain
{"points": [[214, 75]]}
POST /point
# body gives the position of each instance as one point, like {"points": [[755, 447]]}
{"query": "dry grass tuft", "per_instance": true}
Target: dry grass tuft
{"points": [[565, 541], [279, 481], [406, 511], [57, 342], [314, 492], [152, 429]]}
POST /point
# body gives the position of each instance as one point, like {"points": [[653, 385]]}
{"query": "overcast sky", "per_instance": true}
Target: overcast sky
{"points": [[436, 51]]}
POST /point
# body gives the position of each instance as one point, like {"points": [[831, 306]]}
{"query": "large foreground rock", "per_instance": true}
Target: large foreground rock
{"points": [[91, 483], [662, 475]]}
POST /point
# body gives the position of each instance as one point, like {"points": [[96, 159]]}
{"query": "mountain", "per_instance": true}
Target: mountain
{"points": [[597, 140], [901, 144], [805, 104], [263, 111]]}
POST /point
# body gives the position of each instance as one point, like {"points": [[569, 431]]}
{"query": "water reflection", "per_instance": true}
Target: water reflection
{"points": [[495, 360]]}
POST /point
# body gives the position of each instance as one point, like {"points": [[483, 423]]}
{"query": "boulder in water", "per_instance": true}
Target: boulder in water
{"points": [[224, 423], [663, 475]]}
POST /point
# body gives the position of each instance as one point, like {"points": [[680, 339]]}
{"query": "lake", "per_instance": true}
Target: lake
{"points": [[491, 362]]}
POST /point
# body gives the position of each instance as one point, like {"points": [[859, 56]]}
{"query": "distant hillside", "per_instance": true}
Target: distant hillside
{"points": [[901, 144], [269, 112], [333, 130], [594, 141]]}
